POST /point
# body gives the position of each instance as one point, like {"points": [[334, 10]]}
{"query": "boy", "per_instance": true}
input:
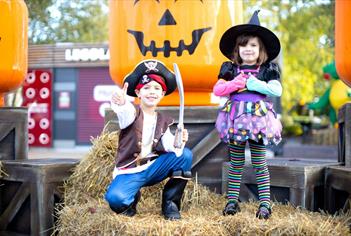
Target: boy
{"points": [[146, 154]]}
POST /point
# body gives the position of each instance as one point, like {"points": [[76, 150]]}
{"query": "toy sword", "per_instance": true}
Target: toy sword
{"points": [[178, 139]]}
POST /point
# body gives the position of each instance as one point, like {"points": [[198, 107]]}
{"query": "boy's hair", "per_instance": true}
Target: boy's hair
{"points": [[242, 40]]}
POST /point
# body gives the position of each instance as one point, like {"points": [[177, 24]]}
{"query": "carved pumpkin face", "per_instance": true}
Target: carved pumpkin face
{"points": [[13, 45], [172, 31]]}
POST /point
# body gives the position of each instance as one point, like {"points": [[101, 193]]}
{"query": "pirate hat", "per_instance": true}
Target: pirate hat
{"points": [[269, 39], [148, 67]]}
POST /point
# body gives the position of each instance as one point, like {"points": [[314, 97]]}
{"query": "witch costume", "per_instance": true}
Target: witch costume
{"points": [[249, 114]]}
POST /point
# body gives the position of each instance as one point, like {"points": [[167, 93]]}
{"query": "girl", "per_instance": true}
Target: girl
{"points": [[248, 116]]}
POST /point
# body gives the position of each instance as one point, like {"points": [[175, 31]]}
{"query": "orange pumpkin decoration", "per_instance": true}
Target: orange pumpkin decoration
{"points": [[343, 40], [13, 45], [172, 31]]}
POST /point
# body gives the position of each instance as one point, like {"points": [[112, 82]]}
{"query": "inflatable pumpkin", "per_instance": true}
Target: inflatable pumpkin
{"points": [[183, 32], [13, 45], [343, 40]]}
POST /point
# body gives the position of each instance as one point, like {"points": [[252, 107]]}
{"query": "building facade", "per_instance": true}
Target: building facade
{"points": [[79, 92]]}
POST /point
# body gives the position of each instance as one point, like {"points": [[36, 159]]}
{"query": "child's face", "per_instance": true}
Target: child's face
{"points": [[150, 94], [250, 52]]}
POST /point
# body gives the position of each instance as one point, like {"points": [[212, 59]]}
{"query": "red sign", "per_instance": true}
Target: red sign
{"points": [[37, 89]]}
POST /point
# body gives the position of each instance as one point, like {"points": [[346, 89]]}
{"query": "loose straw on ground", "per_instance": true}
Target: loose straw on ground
{"points": [[85, 212]]}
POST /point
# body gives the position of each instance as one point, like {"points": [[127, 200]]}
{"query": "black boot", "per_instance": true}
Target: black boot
{"points": [[131, 209], [171, 198], [231, 208], [264, 212]]}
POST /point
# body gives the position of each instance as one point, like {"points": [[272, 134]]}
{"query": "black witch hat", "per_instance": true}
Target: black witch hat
{"points": [[269, 39], [147, 67]]}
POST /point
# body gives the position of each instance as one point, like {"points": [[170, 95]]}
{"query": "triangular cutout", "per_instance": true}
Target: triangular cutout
{"points": [[167, 19]]}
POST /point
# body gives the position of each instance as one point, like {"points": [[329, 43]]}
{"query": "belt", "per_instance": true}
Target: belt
{"points": [[143, 161]]}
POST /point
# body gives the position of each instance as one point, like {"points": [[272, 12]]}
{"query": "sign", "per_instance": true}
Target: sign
{"points": [[87, 54], [37, 89]]}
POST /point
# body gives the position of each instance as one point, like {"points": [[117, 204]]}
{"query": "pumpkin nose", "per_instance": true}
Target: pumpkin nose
{"points": [[167, 19]]}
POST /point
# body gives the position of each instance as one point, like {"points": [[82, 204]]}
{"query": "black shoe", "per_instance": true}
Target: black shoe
{"points": [[171, 198], [231, 208], [171, 211], [131, 210], [263, 212], [181, 174]]}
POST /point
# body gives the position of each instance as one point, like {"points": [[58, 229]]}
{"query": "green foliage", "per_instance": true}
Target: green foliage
{"points": [[67, 21], [290, 127], [39, 20], [306, 31]]}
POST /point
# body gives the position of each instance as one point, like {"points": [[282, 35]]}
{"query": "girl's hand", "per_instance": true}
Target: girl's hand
{"points": [[119, 97], [240, 80]]}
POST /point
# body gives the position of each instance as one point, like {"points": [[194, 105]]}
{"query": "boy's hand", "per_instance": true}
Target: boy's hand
{"points": [[181, 137], [119, 97], [185, 136]]}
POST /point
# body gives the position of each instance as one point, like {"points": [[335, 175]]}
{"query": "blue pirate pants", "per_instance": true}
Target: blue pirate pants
{"points": [[123, 189]]}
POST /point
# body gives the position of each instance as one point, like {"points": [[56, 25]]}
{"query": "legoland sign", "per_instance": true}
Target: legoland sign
{"points": [[87, 54]]}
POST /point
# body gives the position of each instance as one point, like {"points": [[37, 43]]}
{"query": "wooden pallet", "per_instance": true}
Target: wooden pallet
{"points": [[29, 193], [338, 189], [13, 133], [297, 181], [344, 146]]}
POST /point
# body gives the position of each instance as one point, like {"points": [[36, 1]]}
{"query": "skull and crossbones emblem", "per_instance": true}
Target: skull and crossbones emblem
{"points": [[145, 79], [151, 66]]}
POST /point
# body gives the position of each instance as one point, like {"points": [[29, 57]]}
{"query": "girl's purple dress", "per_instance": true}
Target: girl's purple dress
{"points": [[248, 115]]}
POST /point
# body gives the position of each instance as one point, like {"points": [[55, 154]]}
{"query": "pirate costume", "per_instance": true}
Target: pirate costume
{"points": [[146, 155], [247, 115]]}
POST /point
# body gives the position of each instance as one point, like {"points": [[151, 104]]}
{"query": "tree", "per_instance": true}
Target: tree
{"points": [[306, 31], [67, 21], [38, 13]]}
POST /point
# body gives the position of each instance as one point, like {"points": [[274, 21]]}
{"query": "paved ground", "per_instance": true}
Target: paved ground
{"points": [[76, 152]]}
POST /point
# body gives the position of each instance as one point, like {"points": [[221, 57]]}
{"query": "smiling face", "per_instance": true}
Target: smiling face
{"points": [[167, 19], [150, 94], [186, 32], [249, 53]]}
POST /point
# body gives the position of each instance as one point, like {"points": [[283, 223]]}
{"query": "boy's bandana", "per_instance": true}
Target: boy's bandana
{"points": [[145, 79]]}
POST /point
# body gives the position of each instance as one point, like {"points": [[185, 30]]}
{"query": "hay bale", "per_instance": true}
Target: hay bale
{"points": [[85, 211], [92, 175], [95, 218]]}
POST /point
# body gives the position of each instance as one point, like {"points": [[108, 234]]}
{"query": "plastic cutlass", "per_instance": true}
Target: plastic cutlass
{"points": [[178, 136]]}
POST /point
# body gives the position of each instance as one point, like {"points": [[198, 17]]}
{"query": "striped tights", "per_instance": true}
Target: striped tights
{"points": [[259, 163]]}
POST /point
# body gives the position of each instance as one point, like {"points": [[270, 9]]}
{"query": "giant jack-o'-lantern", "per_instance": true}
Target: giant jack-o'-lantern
{"points": [[343, 40], [186, 32], [13, 45]]}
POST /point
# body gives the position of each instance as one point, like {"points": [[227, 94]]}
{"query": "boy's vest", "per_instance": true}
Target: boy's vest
{"points": [[129, 147]]}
